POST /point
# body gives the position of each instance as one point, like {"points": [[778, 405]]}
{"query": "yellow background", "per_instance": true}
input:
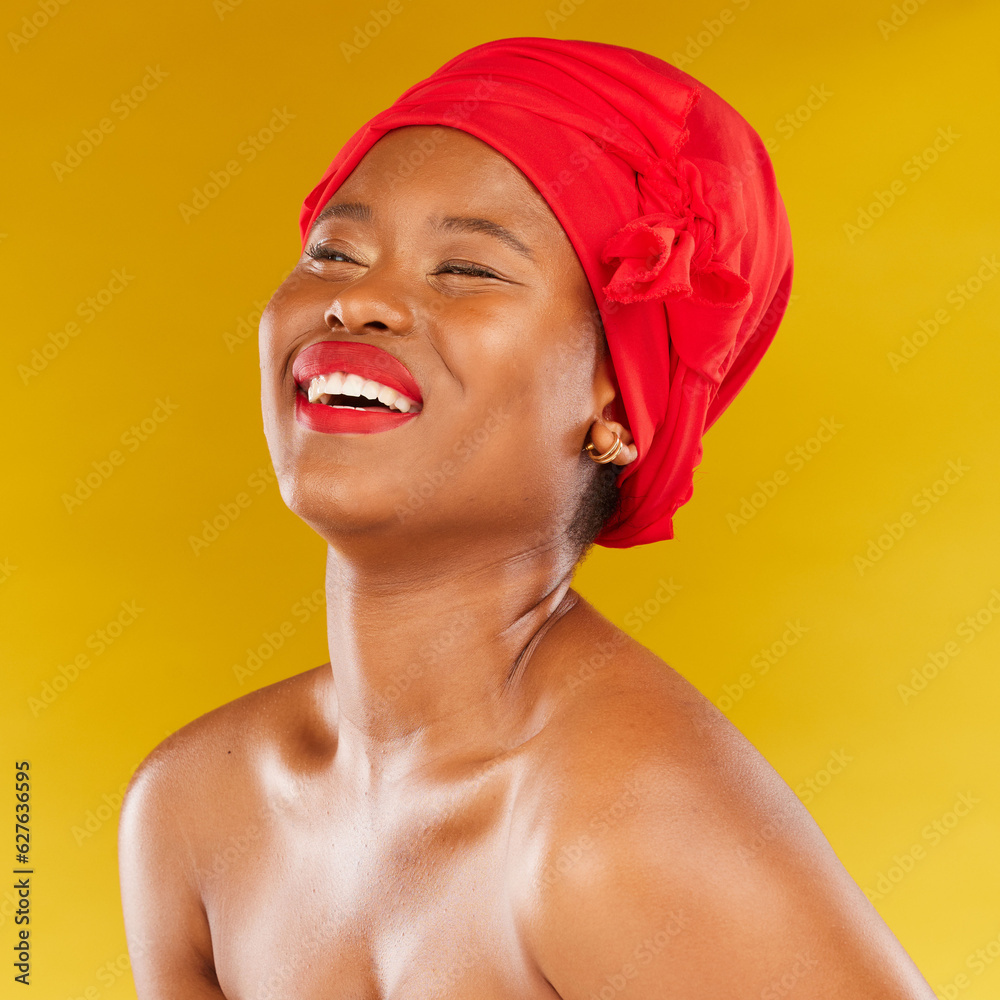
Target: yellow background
{"points": [[886, 96]]}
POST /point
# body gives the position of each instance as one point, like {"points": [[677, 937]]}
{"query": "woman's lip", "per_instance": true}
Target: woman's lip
{"points": [[347, 420], [366, 360]]}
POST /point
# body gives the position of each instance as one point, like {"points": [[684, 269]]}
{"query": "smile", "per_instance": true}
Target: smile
{"points": [[335, 389], [346, 387]]}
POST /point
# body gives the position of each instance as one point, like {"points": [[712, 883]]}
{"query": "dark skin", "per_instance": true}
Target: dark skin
{"points": [[490, 792]]}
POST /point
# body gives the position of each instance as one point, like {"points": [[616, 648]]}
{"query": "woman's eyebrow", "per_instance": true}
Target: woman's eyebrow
{"points": [[354, 210], [490, 228], [360, 212]]}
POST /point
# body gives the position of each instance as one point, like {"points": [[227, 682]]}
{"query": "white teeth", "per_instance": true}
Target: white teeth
{"points": [[352, 385], [323, 387]]}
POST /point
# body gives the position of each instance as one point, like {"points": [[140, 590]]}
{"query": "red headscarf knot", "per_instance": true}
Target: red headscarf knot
{"points": [[681, 254]]}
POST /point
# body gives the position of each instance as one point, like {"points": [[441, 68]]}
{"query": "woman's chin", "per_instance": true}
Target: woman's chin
{"points": [[345, 510]]}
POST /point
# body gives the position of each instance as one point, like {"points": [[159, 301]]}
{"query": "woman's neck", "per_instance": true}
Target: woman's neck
{"points": [[429, 658]]}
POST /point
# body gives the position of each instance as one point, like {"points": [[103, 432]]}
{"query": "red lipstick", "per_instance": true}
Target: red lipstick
{"points": [[365, 360]]}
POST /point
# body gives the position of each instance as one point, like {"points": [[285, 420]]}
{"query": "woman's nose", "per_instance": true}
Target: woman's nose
{"points": [[372, 302]]}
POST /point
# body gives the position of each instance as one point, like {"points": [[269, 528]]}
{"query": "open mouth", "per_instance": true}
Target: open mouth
{"points": [[348, 390], [349, 387]]}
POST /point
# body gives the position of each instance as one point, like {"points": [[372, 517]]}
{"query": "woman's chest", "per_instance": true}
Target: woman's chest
{"points": [[340, 911]]}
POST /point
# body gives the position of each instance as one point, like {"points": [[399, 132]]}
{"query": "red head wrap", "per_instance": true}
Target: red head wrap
{"points": [[669, 199]]}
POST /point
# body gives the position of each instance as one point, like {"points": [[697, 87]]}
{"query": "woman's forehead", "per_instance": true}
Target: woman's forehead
{"points": [[444, 164]]}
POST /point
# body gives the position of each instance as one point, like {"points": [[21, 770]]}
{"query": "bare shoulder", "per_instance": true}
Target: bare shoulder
{"points": [[229, 738], [654, 839], [184, 799], [214, 773], [623, 709], [630, 736]]}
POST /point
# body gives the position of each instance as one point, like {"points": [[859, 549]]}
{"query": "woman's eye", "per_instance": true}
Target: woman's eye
{"points": [[320, 252], [470, 269]]}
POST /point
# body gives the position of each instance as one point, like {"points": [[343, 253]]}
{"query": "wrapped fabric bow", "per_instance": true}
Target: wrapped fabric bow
{"points": [[657, 262], [654, 260], [688, 256], [682, 254]]}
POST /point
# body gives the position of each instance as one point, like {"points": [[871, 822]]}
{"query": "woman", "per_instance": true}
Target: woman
{"points": [[526, 290]]}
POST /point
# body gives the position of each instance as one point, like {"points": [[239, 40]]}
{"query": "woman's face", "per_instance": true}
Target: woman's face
{"points": [[438, 252]]}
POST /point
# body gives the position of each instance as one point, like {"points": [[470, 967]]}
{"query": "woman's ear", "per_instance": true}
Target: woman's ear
{"points": [[605, 423], [602, 434], [607, 397]]}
